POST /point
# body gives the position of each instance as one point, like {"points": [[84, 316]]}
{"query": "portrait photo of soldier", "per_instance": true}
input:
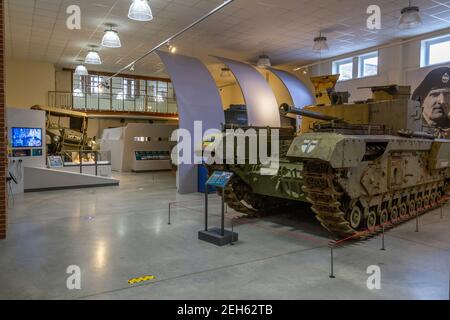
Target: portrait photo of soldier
{"points": [[434, 96]]}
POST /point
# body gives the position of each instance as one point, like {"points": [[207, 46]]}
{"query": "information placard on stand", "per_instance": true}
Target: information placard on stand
{"points": [[218, 236]]}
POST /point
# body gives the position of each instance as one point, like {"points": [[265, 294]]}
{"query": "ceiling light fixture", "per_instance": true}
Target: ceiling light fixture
{"points": [[81, 70], [111, 37], [174, 36], [171, 48], [264, 61], [93, 57], [140, 11], [320, 43], [410, 17]]}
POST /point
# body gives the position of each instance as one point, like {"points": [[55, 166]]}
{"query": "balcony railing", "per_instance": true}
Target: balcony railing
{"points": [[112, 102]]}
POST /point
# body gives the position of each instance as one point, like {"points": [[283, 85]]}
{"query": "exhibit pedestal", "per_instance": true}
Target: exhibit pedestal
{"points": [[215, 237]]}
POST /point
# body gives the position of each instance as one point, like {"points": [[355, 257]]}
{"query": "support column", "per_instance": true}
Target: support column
{"points": [[3, 155]]}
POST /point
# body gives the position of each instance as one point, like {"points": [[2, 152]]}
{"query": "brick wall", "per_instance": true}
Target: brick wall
{"points": [[3, 158]]}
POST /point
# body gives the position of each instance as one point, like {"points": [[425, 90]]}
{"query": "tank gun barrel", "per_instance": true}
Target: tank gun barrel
{"points": [[286, 109]]}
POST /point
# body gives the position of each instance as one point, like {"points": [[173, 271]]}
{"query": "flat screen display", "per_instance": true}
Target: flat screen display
{"points": [[26, 137]]}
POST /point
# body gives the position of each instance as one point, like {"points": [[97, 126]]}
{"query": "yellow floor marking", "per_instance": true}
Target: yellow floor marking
{"points": [[141, 279]]}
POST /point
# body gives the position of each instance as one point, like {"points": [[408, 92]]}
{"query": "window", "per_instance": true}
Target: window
{"points": [[129, 88], [365, 65], [368, 64], [344, 68], [435, 51], [142, 139]]}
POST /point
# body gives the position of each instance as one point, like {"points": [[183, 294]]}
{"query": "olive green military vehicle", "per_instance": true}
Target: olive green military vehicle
{"points": [[368, 167], [356, 181], [66, 131]]}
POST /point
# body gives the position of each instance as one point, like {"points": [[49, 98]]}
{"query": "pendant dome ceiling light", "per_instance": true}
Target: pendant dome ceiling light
{"points": [[81, 70], [171, 48], [140, 11], [320, 43], [93, 57], [111, 37], [264, 61], [410, 17]]}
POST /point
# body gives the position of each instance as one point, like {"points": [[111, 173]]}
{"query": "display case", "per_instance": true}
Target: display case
{"points": [[90, 162], [156, 160]]}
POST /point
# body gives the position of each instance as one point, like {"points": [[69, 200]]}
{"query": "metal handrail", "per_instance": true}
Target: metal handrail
{"points": [[112, 102]]}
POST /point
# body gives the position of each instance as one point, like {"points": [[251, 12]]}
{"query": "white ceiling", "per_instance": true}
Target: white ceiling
{"points": [[283, 29]]}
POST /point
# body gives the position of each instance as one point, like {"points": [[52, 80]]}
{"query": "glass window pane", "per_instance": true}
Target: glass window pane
{"points": [[142, 85], [151, 88], [344, 68], [368, 65], [439, 52], [346, 71], [171, 92]]}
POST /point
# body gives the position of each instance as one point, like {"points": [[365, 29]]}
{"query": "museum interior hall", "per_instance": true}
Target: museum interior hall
{"points": [[224, 150]]}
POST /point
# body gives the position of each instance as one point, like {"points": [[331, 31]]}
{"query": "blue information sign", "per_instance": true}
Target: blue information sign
{"points": [[219, 179]]}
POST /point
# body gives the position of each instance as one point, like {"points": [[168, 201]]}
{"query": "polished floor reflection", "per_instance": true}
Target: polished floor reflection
{"points": [[117, 233]]}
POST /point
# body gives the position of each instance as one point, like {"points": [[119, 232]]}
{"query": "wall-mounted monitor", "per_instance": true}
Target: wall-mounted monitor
{"points": [[26, 137]]}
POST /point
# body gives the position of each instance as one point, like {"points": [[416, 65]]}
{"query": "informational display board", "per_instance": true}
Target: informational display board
{"points": [[152, 155], [55, 162], [219, 179]]}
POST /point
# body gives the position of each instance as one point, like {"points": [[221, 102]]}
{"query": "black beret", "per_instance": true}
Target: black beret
{"points": [[437, 79]]}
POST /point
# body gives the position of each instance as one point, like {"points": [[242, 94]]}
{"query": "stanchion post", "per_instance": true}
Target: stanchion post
{"points": [[223, 212], [332, 262], [206, 207], [170, 204], [417, 220], [232, 232], [383, 248]]}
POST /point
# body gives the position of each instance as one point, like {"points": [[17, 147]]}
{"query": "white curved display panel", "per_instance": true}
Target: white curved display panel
{"points": [[299, 92], [262, 106], [198, 99]]}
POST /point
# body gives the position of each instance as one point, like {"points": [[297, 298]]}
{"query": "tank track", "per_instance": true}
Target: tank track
{"points": [[240, 197], [232, 201], [233, 196], [327, 204]]}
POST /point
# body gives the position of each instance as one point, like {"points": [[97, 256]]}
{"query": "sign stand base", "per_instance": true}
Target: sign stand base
{"points": [[214, 236]]}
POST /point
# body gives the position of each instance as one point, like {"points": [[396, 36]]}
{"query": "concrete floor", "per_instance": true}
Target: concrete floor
{"points": [[117, 233]]}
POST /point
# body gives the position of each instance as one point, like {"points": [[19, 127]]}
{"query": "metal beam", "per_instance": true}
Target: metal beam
{"points": [[176, 35]]}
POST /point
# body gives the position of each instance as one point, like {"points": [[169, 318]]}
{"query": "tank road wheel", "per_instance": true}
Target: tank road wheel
{"points": [[394, 214], [411, 209], [439, 196], [447, 188], [426, 202], [355, 218], [384, 217], [403, 210], [433, 199], [371, 221]]}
